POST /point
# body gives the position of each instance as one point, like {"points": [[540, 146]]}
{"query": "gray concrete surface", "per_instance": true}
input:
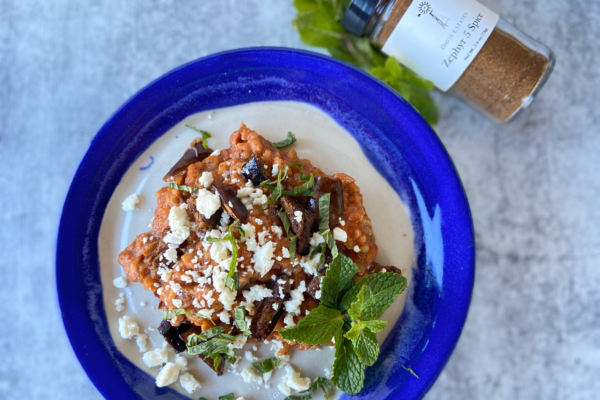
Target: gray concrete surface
{"points": [[534, 327]]}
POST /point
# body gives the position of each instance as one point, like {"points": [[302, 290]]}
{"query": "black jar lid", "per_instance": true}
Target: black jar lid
{"points": [[357, 15]]}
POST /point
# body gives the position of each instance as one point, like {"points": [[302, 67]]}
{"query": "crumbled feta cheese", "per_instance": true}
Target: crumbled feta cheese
{"points": [[258, 221], [141, 341], [292, 306], [167, 375], [121, 282], [316, 239], [156, 357], [252, 374], [285, 253], [250, 356], [283, 388], [310, 266], [207, 203], [128, 328], [275, 170], [256, 293], [298, 216], [294, 380], [216, 153], [289, 320], [179, 224], [206, 179], [224, 316], [181, 362], [185, 278], [131, 203], [277, 230], [250, 237], [171, 255], [318, 294], [227, 298], [340, 234], [120, 303], [263, 258], [342, 222], [189, 383], [328, 373], [262, 237], [176, 287], [356, 249], [239, 342], [177, 303]]}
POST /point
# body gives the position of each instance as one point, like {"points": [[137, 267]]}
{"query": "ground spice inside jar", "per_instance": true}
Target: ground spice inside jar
{"points": [[500, 79]]}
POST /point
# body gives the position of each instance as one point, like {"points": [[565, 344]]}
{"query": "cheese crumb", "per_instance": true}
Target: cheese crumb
{"points": [[275, 170], [224, 316], [131, 203], [239, 342], [156, 357], [340, 234], [206, 179], [128, 328], [283, 388], [121, 282], [216, 153], [177, 303], [207, 203], [189, 383], [294, 380], [250, 356], [263, 258], [141, 341], [167, 375], [258, 221], [328, 373], [310, 266], [120, 303], [298, 216], [251, 374], [356, 249]]}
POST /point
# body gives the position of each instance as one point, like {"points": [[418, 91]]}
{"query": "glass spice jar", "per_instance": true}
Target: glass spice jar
{"points": [[459, 45]]}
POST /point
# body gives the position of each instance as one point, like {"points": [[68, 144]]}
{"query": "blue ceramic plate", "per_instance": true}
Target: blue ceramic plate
{"points": [[392, 135]]}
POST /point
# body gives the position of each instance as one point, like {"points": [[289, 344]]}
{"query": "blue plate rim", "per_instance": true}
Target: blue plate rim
{"points": [[67, 242]]}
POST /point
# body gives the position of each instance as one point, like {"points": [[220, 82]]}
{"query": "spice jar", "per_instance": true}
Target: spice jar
{"points": [[459, 45]]}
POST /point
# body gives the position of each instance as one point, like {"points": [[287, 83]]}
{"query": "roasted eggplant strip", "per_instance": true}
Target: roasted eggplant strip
{"points": [[231, 203], [254, 170], [314, 286], [324, 184], [195, 153], [269, 309], [172, 335], [374, 268], [301, 223]]}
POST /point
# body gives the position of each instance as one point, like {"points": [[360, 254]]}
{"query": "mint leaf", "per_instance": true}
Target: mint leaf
{"points": [[366, 347], [205, 135], [291, 138], [324, 202], [277, 190], [268, 365], [348, 370], [385, 286], [412, 87], [318, 327], [375, 326], [317, 29], [240, 320], [319, 383], [362, 300], [229, 396], [358, 327], [292, 249], [172, 313], [183, 187], [338, 280]]}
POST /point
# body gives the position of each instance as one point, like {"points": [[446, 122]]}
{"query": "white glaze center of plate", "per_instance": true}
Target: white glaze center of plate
{"points": [[321, 140]]}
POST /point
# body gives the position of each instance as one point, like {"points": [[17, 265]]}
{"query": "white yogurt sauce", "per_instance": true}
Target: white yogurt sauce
{"points": [[321, 140]]}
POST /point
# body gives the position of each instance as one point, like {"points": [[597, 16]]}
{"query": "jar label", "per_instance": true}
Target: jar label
{"points": [[438, 39]]}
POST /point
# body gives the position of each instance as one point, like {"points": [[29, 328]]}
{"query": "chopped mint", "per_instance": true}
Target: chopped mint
{"points": [[173, 313], [229, 396], [205, 135], [319, 383], [324, 202], [183, 187], [240, 320], [291, 138], [268, 365]]}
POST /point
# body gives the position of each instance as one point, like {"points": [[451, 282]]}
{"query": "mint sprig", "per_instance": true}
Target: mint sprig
{"points": [[318, 327], [319, 23]]}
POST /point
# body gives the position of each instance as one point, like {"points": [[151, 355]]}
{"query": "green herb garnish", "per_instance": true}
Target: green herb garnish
{"points": [[212, 343], [231, 281], [319, 23], [304, 189], [268, 365], [324, 202], [348, 312], [183, 187], [411, 372], [205, 135], [179, 311], [240, 320], [277, 190], [291, 138], [293, 238], [229, 396], [319, 383]]}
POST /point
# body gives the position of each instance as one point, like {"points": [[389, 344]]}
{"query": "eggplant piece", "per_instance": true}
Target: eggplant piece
{"points": [[314, 286], [203, 223], [172, 335], [334, 186], [195, 153], [253, 170], [301, 228], [374, 268], [231, 203], [211, 363], [269, 310]]}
